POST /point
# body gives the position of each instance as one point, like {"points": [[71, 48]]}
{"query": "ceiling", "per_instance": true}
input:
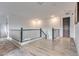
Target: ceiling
{"points": [[34, 9]]}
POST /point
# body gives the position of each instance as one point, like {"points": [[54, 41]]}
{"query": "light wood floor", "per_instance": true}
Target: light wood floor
{"points": [[6, 46], [60, 47]]}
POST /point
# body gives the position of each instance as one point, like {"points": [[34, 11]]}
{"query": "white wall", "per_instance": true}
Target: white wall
{"points": [[3, 30], [77, 36], [76, 32]]}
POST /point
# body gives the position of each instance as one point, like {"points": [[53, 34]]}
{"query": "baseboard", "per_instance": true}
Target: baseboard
{"points": [[21, 44]]}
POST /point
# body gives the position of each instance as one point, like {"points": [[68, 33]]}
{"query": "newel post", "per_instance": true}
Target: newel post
{"points": [[40, 32], [21, 34]]}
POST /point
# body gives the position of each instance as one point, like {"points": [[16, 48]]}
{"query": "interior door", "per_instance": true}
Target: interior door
{"points": [[66, 27]]}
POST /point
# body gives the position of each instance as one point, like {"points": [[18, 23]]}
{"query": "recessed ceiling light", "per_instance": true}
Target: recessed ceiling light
{"points": [[52, 16]]}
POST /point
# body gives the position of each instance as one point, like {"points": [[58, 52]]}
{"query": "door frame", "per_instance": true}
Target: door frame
{"points": [[68, 27]]}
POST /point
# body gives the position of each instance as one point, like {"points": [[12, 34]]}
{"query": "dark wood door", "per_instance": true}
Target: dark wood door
{"points": [[66, 27]]}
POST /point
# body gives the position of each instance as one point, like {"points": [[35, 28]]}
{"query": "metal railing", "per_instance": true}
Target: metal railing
{"points": [[23, 35], [55, 33], [42, 32]]}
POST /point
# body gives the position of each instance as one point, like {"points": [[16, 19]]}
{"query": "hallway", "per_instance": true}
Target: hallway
{"points": [[60, 47]]}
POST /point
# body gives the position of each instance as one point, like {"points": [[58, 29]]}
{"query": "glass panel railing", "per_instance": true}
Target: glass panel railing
{"points": [[3, 31], [29, 34], [23, 35], [55, 33], [15, 34]]}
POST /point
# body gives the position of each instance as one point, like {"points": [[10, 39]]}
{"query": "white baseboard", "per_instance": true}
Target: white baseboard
{"points": [[20, 44]]}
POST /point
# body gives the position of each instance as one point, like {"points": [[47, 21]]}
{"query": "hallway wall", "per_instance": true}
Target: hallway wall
{"points": [[3, 29], [77, 36]]}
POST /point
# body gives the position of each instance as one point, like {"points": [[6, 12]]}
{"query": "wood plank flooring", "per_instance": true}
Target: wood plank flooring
{"points": [[60, 47], [6, 46]]}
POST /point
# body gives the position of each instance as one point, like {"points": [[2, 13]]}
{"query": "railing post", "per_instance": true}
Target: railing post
{"points": [[58, 32], [21, 34], [40, 32], [52, 33], [45, 36]]}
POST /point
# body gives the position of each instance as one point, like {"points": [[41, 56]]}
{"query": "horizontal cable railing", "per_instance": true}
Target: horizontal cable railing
{"points": [[23, 35]]}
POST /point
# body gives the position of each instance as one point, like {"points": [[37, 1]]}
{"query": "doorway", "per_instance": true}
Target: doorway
{"points": [[66, 27]]}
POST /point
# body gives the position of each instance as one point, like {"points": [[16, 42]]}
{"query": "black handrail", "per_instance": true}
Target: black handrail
{"points": [[41, 31], [30, 29], [15, 29]]}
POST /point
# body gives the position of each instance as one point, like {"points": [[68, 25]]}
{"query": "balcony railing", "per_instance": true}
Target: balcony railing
{"points": [[55, 33], [23, 35]]}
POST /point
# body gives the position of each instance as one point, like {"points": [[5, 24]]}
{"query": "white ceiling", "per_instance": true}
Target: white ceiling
{"points": [[28, 10]]}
